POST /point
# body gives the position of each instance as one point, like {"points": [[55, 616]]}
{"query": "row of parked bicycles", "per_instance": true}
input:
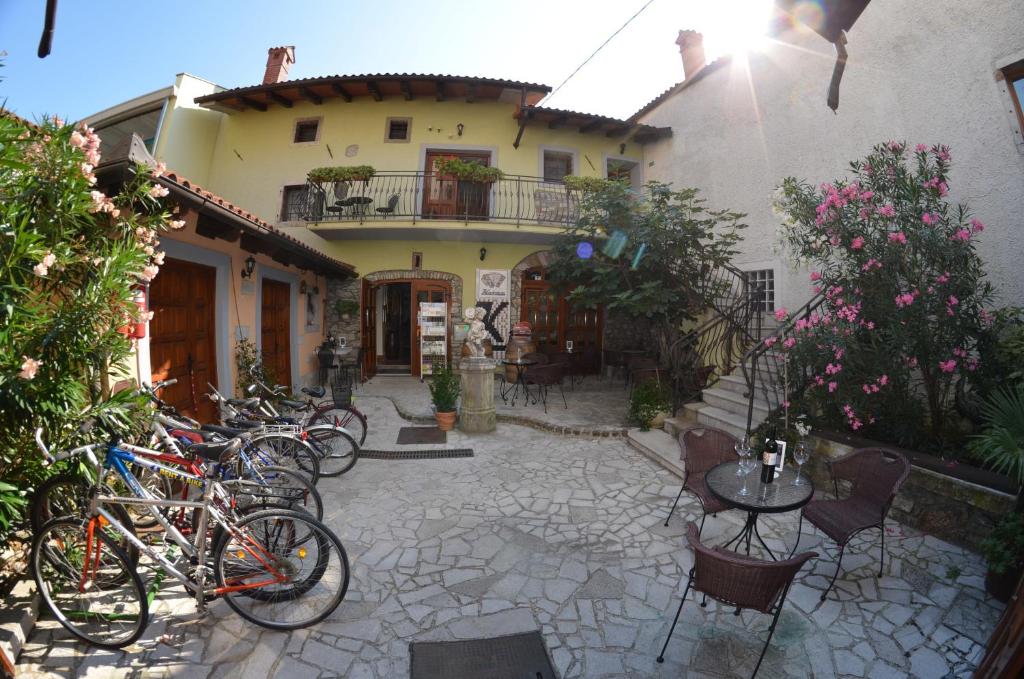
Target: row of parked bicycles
{"points": [[229, 510]]}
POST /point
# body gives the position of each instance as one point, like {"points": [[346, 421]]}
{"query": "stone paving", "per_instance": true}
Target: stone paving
{"points": [[564, 535]]}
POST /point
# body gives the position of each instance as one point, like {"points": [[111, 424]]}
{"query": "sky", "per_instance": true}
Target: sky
{"points": [[107, 51]]}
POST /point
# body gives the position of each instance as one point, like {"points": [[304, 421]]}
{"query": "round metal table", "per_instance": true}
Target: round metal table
{"points": [[765, 498], [520, 367]]}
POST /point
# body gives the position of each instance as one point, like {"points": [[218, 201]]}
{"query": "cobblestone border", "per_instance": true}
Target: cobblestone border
{"points": [[607, 432]]}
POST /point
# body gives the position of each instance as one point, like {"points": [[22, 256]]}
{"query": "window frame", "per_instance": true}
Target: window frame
{"points": [[387, 129], [282, 215], [572, 153], [767, 303], [1010, 73], [319, 120]]}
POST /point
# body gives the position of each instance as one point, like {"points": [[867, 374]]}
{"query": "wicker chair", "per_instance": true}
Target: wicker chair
{"points": [[700, 449], [545, 376], [875, 475], [739, 581]]}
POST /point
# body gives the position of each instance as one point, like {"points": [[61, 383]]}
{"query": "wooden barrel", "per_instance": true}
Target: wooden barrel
{"points": [[518, 346]]}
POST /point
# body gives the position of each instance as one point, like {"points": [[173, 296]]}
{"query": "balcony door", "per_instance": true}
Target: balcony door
{"points": [[445, 197]]}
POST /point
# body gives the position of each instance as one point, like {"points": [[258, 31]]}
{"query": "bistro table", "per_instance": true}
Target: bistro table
{"points": [[520, 365], [359, 204], [765, 498]]}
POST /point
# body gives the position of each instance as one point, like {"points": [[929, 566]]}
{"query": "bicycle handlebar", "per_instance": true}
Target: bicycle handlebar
{"points": [[51, 459]]}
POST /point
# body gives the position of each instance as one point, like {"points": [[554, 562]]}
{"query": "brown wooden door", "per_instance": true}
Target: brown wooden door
{"points": [[555, 320], [446, 197], [428, 291], [275, 331], [368, 329], [182, 333]]}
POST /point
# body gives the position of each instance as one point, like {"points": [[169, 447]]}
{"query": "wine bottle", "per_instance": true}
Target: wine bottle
{"points": [[770, 457]]}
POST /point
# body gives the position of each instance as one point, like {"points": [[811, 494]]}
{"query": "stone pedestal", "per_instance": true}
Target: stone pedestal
{"points": [[477, 414]]}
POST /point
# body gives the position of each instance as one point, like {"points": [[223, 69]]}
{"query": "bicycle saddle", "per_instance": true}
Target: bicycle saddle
{"points": [[215, 451], [230, 432], [192, 435], [243, 424], [295, 405], [315, 392], [246, 403]]}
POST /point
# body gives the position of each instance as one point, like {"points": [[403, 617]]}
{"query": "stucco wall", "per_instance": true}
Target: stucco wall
{"points": [[188, 133], [919, 70]]}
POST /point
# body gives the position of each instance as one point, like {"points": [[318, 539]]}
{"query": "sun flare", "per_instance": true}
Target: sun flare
{"points": [[737, 26]]}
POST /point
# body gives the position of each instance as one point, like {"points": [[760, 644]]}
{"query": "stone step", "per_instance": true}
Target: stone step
{"points": [[674, 425], [734, 402], [734, 382], [723, 419], [659, 446], [689, 412]]}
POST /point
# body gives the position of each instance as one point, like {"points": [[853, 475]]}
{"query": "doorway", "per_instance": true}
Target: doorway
{"points": [[182, 333], [275, 331], [390, 333], [445, 197], [394, 331], [555, 320], [622, 169]]}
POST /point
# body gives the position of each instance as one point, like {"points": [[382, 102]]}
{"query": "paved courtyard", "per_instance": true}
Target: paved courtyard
{"points": [[564, 535]]}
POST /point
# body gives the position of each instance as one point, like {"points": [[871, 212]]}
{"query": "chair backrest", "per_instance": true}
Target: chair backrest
{"points": [[325, 357], [875, 475], [741, 580], [545, 373], [393, 202], [702, 448], [562, 357], [536, 356]]}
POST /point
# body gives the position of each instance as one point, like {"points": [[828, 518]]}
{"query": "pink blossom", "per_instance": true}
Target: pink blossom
{"points": [[770, 341], [29, 368], [870, 325], [921, 148], [158, 258], [944, 278], [160, 169], [857, 243], [867, 195], [898, 237], [895, 146], [177, 224], [906, 299], [887, 210], [789, 342], [883, 380], [952, 301], [77, 139], [930, 218], [839, 353], [833, 369], [781, 313], [943, 153], [947, 366], [912, 361], [832, 386], [962, 235], [157, 191], [149, 273], [987, 318], [815, 276], [977, 226], [972, 364]]}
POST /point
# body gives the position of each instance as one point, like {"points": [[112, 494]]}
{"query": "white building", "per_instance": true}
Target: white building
{"points": [[924, 71]]}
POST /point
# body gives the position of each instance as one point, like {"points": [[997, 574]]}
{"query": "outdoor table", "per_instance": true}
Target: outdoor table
{"points": [[359, 204], [520, 367], [765, 498]]}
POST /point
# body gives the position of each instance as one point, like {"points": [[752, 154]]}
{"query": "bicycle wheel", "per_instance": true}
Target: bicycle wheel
{"points": [[281, 569], [159, 486], [88, 583], [342, 416], [337, 449], [284, 450], [275, 487]]}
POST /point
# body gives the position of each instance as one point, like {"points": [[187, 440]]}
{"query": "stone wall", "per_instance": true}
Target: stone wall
{"points": [[627, 332], [958, 511], [338, 289]]}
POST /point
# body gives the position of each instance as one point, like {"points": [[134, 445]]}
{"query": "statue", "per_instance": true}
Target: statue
{"points": [[477, 332]]}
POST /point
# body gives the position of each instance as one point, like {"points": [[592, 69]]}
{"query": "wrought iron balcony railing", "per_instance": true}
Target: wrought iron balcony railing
{"points": [[514, 199]]}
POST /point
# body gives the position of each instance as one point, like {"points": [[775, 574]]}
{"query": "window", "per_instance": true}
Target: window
{"points": [[398, 129], [143, 124], [417, 260], [294, 203], [762, 289], [557, 164], [1014, 74], [307, 131]]}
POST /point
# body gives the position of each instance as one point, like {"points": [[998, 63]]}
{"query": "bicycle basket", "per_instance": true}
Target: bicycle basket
{"points": [[341, 392]]}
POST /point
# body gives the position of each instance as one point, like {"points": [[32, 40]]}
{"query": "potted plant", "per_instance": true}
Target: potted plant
{"points": [[342, 173], [444, 393], [1004, 552], [649, 405], [586, 184], [468, 170], [346, 308]]}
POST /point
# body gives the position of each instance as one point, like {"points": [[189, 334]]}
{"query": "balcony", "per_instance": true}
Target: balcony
{"points": [[404, 197]]}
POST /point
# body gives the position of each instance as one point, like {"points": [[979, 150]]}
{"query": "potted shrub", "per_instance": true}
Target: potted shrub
{"points": [[342, 173], [586, 184], [1004, 552], [346, 308], [444, 393], [649, 405], [468, 170]]}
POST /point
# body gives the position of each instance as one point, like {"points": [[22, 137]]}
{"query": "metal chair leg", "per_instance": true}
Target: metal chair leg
{"points": [[675, 504], [700, 528], [799, 534], [771, 631], [544, 398], [562, 391], [839, 563], [689, 581]]}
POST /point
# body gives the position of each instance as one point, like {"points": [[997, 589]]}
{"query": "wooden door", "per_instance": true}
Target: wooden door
{"points": [[555, 320], [368, 329], [275, 330], [446, 197], [182, 335], [428, 291]]}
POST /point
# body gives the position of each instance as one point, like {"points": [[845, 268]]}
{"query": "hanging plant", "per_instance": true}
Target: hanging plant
{"points": [[468, 170], [342, 173]]}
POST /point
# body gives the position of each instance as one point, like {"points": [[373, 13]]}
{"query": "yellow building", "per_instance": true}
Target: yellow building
{"points": [[411, 231]]}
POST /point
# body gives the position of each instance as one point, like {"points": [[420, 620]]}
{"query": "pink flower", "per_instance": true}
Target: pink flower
{"points": [[930, 218], [867, 195], [962, 235], [177, 224], [833, 369], [906, 299], [781, 313], [887, 210], [857, 243], [944, 278], [952, 301], [832, 386], [921, 148], [77, 139], [159, 169], [158, 258], [898, 237], [815, 276], [883, 380], [29, 368], [770, 341], [158, 191], [43, 267], [149, 273], [789, 342], [977, 226], [947, 366]]}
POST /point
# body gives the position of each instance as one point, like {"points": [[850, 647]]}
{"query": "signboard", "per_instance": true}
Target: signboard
{"points": [[492, 295]]}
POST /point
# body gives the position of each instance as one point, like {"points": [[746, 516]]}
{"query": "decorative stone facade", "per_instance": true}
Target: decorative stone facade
{"points": [[627, 332], [337, 325]]}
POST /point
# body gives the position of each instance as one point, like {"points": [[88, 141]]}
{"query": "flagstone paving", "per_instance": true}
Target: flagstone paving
{"points": [[564, 535]]}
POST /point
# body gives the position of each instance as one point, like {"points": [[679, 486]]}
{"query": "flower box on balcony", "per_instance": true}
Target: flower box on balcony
{"points": [[468, 171], [342, 173]]}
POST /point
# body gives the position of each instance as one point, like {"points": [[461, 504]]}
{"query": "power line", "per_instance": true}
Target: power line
{"points": [[601, 47]]}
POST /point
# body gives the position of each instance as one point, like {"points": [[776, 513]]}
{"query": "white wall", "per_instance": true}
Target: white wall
{"points": [[919, 70]]}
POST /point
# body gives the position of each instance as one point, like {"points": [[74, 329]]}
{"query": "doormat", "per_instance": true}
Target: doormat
{"points": [[438, 454], [513, 657], [413, 435]]}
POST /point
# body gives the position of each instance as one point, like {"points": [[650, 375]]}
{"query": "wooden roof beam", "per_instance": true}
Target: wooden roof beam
{"points": [[374, 90], [524, 119], [591, 126], [439, 89], [311, 95], [252, 103], [284, 101], [342, 92], [406, 90], [621, 131], [558, 122]]}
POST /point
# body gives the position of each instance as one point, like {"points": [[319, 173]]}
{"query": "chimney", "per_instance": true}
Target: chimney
{"points": [[691, 47], [278, 61]]}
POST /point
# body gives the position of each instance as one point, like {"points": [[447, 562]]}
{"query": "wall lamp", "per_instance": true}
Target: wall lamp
{"points": [[302, 288], [460, 127], [483, 253], [249, 267]]}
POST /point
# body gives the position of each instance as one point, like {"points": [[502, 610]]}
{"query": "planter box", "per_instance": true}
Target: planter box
{"points": [[954, 502]]}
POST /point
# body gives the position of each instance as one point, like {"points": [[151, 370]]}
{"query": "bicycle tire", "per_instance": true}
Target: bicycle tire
{"points": [[285, 448], [336, 447], [67, 610], [310, 500], [348, 417], [291, 595]]}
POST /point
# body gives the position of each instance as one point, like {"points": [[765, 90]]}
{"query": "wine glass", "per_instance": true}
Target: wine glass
{"points": [[800, 456], [743, 450], [747, 465], [568, 346]]}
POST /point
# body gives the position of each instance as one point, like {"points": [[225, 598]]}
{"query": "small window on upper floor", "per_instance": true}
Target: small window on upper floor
{"points": [[1014, 74], [293, 203], [398, 129], [557, 164], [306, 131], [761, 284]]}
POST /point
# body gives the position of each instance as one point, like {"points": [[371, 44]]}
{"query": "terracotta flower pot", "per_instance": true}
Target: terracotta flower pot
{"points": [[445, 421]]}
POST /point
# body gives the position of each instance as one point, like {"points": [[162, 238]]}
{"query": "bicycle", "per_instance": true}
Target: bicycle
{"points": [[258, 560]]}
